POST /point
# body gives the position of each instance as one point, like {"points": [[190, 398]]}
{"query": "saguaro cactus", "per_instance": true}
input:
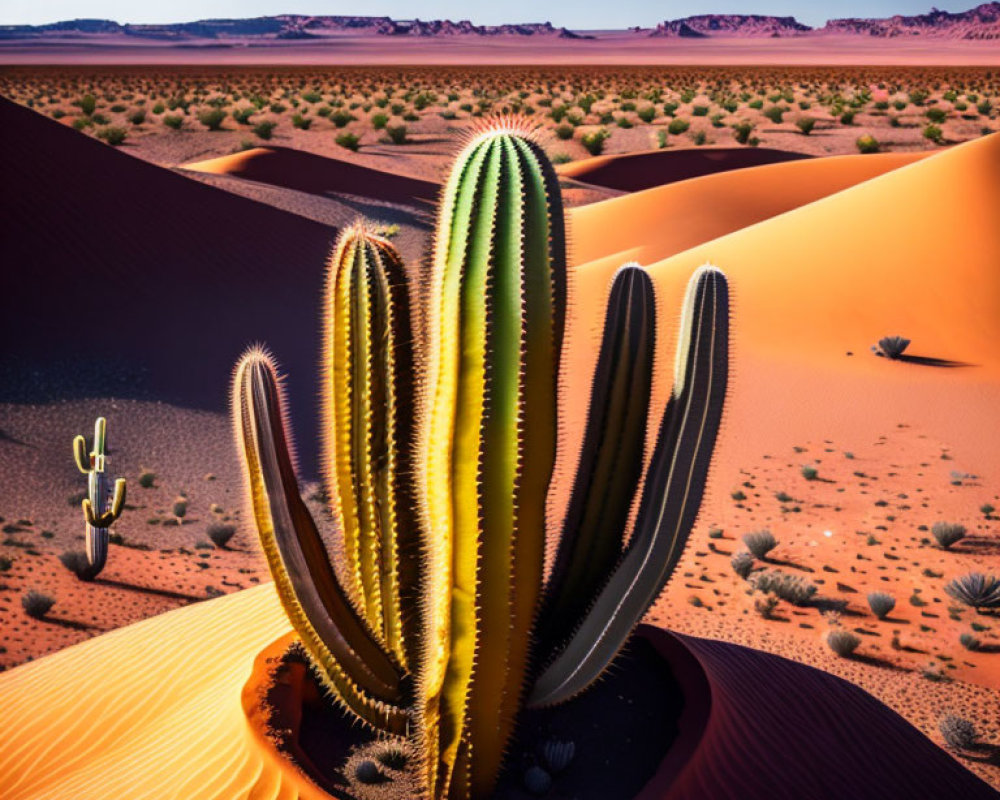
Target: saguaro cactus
{"points": [[442, 628], [102, 505]]}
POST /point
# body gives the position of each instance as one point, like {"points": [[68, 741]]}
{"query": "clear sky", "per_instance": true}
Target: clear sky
{"points": [[580, 14]]}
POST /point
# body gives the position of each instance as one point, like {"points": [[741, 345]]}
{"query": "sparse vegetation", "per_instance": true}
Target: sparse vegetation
{"points": [[805, 124], [867, 144], [975, 590], [593, 141], [891, 346], [958, 733], [842, 642], [76, 562], [946, 533], [220, 534], [211, 119], [742, 564], [790, 588], [760, 543], [264, 130], [881, 604], [396, 134], [348, 141], [37, 604], [113, 135]]}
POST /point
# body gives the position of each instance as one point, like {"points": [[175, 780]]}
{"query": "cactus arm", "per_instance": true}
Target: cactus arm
{"points": [[352, 663], [118, 499], [611, 459], [367, 333], [100, 439], [80, 455], [671, 496]]}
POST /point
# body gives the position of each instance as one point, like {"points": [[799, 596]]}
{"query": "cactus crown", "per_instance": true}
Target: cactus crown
{"points": [[445, 625]]}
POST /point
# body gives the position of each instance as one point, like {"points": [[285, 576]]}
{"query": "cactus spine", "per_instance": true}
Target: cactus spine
{"points": [[102, 505], [440, 488]]}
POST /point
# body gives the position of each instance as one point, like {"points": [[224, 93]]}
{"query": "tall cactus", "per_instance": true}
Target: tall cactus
{"points": [[102, 505], [439, 486]]}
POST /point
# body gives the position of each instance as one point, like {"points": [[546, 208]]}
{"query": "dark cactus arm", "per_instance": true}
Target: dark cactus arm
{"points": [[671, 496], [610, 463], [353, 665]]}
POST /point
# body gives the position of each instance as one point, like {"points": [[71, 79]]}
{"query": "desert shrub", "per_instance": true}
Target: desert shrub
{"points": [[593, 141], [37, 604], [561, 158], [82, 122], [669, 109], [881, 604], [947, 533], [809, 473], [277, 108], [986, 509], [623, 122], [790, 588], [775, 113], [936, 115], [975, 590], [100, 119], [918, 97], [242, 115], [677, 126], [742, 131], [6, 562], [137, 117], [396, 134], [662, 140], [312, 96], [301, 122], [891, 346], [348, 140], [147, 479], [984, 107], [212, 118], [867, 144], [699, 111], [717, 120], [647, 113], [87, 104], [220, 534], [842, 642], [340, 118], [805, 124], [379, 121], [179, 507], [958, 733], [159, 108], [760, 543], [742, 564], [263, 130], [699, 138], [757, 104], [933, 133], [174, 121], [970, 641], [765, 605], [847, 118], [76, 562], [113, 135], [564, 131]]}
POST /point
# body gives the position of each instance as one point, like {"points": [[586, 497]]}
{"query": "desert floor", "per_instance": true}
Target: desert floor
{"points": [[825, 256]]}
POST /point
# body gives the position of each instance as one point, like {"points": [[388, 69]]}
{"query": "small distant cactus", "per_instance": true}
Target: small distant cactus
{"points": [[881, 604], [947, 533], [976, 590], [842, 642], [102, 505], [890, 346], [760, 543]]}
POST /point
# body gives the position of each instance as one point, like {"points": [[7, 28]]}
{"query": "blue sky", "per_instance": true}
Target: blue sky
{"points": [[579, 14]]}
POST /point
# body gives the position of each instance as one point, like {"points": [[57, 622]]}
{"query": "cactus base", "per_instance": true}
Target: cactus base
{"points": [[639, 705]]}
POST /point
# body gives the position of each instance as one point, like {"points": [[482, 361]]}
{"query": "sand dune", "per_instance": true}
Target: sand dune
{"points": [[307, 172], [659, 222], [153, 710], [632, 172]]}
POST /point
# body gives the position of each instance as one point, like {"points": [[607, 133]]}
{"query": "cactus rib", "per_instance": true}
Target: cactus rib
{"points": [[611, 458], [355, 668], [671, 496]]}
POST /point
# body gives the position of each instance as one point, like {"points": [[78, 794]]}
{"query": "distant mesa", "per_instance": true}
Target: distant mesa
{"points": [[742, 25], [982, 22], [286, 26]]}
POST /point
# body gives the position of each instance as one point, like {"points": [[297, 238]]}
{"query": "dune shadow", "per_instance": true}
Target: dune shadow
{"points": [[132, 587], [978, 546], [779, 562], [72, 624], [928, 361], [833, 604], [988, 648]]}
